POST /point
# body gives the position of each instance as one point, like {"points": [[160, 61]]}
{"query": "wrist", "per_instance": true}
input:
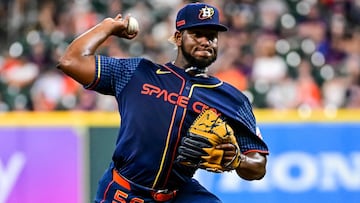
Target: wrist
{"points": [[107, 26], [243, 160]]}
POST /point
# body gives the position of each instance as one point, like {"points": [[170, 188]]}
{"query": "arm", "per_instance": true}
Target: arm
{"points": [[78, 60], [252, 165]]}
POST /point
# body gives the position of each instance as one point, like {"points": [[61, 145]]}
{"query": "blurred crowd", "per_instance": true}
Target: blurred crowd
{"points": [[283, 54]]}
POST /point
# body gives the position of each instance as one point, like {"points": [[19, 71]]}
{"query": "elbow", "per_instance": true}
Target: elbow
{"points": [[78, 68], [256, 173], [260, 174], [260, 170], [64, 63], [253, 167]]}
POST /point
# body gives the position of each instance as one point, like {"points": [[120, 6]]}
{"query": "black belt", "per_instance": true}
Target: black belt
{"points": [[158, 195]]}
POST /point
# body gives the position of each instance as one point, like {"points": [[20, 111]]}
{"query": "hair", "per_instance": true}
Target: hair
{"points": [[172, 40]]}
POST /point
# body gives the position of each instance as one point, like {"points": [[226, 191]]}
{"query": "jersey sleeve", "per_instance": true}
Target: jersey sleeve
{"points": [[248, 142], [248, 134], [112, 74], [243, 121]]}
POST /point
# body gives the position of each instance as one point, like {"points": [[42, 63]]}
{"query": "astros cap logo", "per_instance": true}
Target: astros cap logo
{"points": [[206, 13], [199, 15]]}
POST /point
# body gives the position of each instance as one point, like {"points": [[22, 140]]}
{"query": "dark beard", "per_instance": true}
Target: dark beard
{"points": [[193, 62]]}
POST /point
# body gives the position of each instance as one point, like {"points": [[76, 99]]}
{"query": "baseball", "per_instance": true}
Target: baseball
{"points": [[133, 26]]}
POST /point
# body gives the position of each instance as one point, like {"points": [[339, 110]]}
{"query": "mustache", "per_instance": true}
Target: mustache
{"points": [[209, 49]]}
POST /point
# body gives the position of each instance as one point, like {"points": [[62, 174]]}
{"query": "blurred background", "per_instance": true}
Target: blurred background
{"points": [[298, 61], [295, 54]]}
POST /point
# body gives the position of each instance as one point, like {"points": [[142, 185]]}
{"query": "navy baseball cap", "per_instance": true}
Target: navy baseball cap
{"points": [[199, 15]]}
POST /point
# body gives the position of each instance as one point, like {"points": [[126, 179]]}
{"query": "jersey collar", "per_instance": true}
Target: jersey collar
{"points": [[198, 77]]}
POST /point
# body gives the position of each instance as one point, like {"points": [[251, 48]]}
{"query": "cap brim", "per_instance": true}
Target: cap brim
{"points": [[217, 27]]}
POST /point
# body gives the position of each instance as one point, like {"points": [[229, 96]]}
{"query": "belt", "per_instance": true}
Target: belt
{"points": [[158, 195]]}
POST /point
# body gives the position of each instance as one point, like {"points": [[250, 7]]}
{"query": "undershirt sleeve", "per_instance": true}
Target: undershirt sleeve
{"points": [[112, 74]]}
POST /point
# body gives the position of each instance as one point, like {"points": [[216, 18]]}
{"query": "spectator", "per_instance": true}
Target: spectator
{"points": [[352, 65], [256, 50]]}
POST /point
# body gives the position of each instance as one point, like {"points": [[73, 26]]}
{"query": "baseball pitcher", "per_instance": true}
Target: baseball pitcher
{"points": [[175, 118]]}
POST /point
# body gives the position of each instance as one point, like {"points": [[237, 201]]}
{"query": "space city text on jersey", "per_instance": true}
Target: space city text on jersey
{"points": [[173, 98]]}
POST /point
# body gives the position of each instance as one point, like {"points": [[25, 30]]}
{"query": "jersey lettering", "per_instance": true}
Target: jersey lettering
{"points": [[150, 89], [162, 93], [199, 106], [121, 197], [173, 98]]}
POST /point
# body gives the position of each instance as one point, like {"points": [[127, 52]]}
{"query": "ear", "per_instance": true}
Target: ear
{"points": [[178, 38]]}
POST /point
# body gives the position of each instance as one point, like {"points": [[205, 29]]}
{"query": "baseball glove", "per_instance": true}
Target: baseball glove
{"points": [[197, 148]]}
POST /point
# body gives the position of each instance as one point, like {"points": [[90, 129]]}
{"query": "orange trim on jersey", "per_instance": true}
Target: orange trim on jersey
{"points": [[98, 74], [177, 142], [120, 180], [182, 121], [255, 150], [106, 191], [169, 132]]}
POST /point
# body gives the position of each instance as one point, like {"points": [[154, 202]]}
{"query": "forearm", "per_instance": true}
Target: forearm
{"points": [[78, 60], [87, 43], [252, 166]]}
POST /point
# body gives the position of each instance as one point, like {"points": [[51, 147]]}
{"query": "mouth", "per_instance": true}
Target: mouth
{"points": [[204, 52]]}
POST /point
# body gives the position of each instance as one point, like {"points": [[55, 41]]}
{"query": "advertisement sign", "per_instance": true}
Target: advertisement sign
{"points": [[40, 165], [308, 162]]}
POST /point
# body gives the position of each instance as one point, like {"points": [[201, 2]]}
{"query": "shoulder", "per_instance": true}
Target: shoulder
{"points": [[240, 106], [123, 63], [239, 95], [146, 63], [123, 60]]}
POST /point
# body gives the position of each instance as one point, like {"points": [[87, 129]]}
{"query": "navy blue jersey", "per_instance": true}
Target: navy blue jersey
{"points": [[157, 104]]}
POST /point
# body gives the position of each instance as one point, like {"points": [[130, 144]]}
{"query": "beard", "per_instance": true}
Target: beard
{"points": [[201, 64]]}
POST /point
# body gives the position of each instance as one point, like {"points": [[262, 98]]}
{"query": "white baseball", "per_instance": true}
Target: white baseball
{"points": [[133, 25]]}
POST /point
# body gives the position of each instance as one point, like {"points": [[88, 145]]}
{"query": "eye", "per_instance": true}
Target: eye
{"points": [[198, 34], [210, 36]]}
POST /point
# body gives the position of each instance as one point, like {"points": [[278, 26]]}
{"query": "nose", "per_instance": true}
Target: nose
{"points": [[205, 41]]}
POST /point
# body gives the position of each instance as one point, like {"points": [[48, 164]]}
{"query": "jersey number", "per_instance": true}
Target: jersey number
{"points": [[120, 197]]}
